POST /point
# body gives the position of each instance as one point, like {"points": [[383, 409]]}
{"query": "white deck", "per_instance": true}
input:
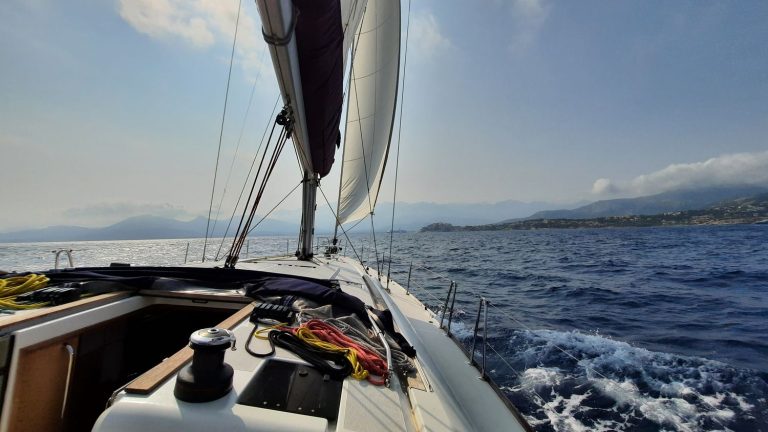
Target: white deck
{"points": [[450, 396]]}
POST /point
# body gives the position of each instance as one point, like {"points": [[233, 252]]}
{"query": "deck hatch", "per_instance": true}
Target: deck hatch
{"points": [[294, 388]]}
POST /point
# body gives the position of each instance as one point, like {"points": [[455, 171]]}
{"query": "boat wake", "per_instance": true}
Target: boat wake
{"points": [[571, 381]]}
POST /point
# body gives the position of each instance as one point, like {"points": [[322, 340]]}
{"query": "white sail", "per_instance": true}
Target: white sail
{"points": [[371, 108], [351, 15]]}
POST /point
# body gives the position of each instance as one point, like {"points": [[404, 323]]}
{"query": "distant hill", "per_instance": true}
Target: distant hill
{"points": [[749, 210], [412, 216], [141, 228], [409, 216], [679, 200]]}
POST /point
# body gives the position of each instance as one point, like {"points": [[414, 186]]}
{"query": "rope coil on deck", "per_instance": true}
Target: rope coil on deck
{"points": [[366, 363], [13, 286], [315, 337]]}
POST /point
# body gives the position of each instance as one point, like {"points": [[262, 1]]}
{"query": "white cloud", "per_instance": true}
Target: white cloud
{"points": [[426, 37], [726, 170], [199, 23], [603, 186], [167, 18], [528, 16]]}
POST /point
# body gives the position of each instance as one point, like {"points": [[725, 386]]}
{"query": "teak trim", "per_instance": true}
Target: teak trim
{"points": [[49, 313], [151, 379]]}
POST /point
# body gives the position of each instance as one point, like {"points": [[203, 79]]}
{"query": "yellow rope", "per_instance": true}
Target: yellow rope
{"points": [[258, 333], [15, 285], [358, 372], [306, 335]]}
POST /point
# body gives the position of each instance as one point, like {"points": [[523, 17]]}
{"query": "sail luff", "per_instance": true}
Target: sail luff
{"points": [[394, 106], [337, 222], [278, 19], [371, 109]]}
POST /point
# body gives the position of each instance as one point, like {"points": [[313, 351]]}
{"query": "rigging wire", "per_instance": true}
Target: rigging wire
{"points": [[341, 226], [362, 145], [253, 186], [237, 146], [283, 119], [221, 130], [357, 223], [276, 206], [245, 183], [367, 181], [352, 81], [399, 131]]}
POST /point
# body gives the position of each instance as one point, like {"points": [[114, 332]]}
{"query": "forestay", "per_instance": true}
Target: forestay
{"points": [[371, 108]]}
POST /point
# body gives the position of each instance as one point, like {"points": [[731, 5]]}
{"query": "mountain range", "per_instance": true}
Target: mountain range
{"points": [[412, 216], [678, 200], [140, 228], [747, 210], [409, 216]]}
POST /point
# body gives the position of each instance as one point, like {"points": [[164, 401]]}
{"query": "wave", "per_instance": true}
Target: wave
{"points": [[572, 381]]}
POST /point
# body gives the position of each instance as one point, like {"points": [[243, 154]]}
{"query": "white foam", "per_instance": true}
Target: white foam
{"points": [[675, 412], [460, 329], [675, 389], [540, 376]]}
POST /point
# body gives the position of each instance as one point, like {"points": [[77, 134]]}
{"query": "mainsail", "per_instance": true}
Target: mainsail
{"points": [[308, 42], [371, 108]]}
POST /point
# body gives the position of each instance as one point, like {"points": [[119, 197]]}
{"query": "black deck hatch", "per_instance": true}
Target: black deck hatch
{"points": [[295, 388]]}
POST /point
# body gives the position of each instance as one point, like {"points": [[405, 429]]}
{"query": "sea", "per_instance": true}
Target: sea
{"points": [[625, 329]]}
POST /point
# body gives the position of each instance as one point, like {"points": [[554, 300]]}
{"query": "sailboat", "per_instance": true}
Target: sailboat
{"points": [[311, 342]]}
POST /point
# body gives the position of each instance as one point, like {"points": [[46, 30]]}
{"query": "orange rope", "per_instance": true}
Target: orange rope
{"points": [[368, 359]]}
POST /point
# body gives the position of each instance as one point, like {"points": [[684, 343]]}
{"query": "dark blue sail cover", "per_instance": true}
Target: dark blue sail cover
{"points": [[320, 40]]}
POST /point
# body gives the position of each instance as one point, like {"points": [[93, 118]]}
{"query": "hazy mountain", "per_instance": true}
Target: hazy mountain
{"points": [[142, 228], [686, 199], [748, 210], [53, 234], [412, 216], [409, 216]]}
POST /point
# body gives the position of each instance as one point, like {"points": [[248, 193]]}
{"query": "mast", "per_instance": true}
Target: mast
{"points": [[308, 207], [308, 40]]}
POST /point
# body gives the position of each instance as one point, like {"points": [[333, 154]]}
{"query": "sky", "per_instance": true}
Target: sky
{"points": [[110, 109]]}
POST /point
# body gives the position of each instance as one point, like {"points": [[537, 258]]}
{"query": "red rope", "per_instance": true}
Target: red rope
{"points": [[369, 359]]}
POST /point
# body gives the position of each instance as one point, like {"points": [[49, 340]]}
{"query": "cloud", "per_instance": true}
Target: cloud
{"points": [[726, 170], [199, 23], [106, 213], [167, 18], [426, 36], [528, 16], [603, 186]]}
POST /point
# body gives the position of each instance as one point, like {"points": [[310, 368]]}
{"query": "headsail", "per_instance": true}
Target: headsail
{"points": [[371, 108]]}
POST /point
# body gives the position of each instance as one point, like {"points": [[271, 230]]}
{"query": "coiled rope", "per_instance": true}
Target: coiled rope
{"points": [[398, 357], [319, 343], [15, 285], [319, 333]]}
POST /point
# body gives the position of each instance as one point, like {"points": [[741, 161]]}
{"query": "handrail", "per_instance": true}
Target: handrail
{"points": [[70, 362], [58, 253], [483, 306]]}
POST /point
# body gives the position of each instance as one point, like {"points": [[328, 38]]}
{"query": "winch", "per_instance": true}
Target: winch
{"points": [[207, 378]]}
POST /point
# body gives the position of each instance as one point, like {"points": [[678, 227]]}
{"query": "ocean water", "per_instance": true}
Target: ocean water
{"points": [[650, 329]]}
